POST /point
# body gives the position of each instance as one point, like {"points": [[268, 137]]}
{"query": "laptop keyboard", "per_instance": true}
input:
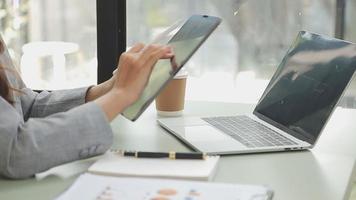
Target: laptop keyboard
{"points": [[248, 131]]}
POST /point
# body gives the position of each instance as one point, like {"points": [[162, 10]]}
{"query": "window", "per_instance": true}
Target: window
{"points": [[52, 42], [350, 16], [240, 57], [349, 99]]}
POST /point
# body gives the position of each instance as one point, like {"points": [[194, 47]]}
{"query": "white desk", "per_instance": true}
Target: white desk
{"points": [[323, 173]]}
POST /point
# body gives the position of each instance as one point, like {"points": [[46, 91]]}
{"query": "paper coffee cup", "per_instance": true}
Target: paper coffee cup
{"points": [[170, 102]]}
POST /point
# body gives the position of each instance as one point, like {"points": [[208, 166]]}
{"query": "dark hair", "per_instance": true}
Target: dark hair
{"points": [[5, 88]]}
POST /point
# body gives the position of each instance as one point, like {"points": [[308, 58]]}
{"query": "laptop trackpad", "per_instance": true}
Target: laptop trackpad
{"points": [[208, 139]]}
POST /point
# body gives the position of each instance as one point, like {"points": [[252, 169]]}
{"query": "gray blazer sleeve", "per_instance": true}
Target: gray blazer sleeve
{"points": [[55, 128], [42, 104]]}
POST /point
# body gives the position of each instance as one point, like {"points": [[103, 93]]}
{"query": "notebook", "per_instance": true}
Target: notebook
{"points": [[113, 164], [89, 186]]}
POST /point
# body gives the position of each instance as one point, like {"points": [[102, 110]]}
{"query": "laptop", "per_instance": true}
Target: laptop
{"points": [[293, 109]]}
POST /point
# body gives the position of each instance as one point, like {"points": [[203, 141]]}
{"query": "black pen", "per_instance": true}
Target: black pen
{"points": [[170, 155]]}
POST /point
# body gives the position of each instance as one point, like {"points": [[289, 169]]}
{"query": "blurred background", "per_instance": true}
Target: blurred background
{"points": [[53, 43]]}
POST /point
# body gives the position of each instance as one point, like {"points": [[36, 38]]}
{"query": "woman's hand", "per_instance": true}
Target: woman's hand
{"points": [[135, 67], [132, 76]]}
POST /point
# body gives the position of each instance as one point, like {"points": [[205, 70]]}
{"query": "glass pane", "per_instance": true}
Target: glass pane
{"points": [[350, 17], [237, 61], [349, 99], [52, 42]]}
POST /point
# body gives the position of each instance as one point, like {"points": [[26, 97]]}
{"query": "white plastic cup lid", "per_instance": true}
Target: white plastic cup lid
{"points": [[170, 113]]}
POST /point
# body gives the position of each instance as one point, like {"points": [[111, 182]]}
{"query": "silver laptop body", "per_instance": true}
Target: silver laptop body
{"points": [[293, 109]]}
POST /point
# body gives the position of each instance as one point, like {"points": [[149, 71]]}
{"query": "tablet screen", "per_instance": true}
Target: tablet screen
{"points": [[184, 43]]}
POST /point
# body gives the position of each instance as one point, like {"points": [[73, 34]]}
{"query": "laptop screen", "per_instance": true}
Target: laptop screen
{"points": [[307, 85]]}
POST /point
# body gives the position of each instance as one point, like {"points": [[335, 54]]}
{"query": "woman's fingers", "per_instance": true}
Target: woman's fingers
{"points": [[155, 52], [141, 56], [147, 52], [156, 55], [168, 53], [136, 48]]}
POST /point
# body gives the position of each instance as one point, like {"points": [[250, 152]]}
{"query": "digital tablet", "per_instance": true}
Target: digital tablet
{"points": [[186, 39]]}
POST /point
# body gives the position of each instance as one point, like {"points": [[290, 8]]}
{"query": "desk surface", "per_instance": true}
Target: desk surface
{"points": [[322, 173]]}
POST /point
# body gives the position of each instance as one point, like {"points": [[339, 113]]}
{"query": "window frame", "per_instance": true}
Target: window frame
{"points": [[340, 19], [111, 35]]}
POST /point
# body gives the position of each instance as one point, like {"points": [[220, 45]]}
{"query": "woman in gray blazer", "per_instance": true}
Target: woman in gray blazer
{"points": [[42, 130]]}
